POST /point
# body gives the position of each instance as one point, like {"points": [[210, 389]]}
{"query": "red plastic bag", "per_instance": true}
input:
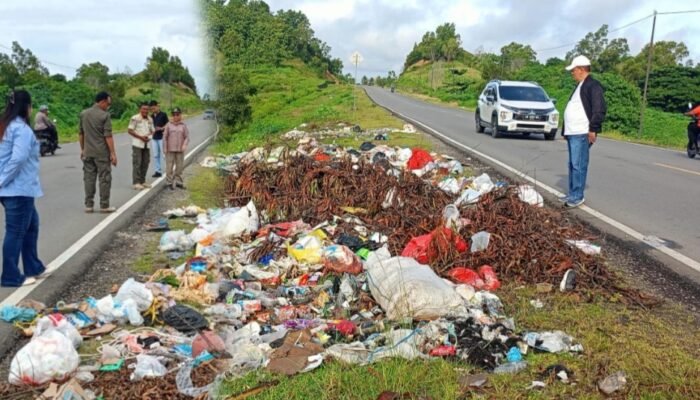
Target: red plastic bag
{"points": [[344, 327], [322, 157], [466, 276], [419, 159], [341, 259], [491, 281], [443, 351], [420, 246]]}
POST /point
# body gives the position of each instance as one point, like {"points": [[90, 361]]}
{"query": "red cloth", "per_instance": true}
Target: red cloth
{"points": [[419, 159]]}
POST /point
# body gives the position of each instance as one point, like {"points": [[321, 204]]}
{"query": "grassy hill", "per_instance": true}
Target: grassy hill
{"points": [[292, 94], [450, 82]]}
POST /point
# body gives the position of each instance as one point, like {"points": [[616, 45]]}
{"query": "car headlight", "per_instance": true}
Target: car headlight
{"points": [[554, 118], [505, 115]]}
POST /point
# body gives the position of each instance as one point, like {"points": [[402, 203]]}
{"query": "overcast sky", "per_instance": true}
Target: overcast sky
{"points": [[384, 31], [118, 33]]}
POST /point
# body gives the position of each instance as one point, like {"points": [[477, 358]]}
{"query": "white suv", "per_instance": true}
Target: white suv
{"points": [[516, 107]]}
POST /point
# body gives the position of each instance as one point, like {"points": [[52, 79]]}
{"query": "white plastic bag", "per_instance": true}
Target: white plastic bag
{"points": [[585, 246], [57, 322], [243, 221], [48, 357], [148, 367], [480, 241], [406, 289], [175, 241], [528, 194], [483, 183], [449, 185], [137, 291], [469, 196]]}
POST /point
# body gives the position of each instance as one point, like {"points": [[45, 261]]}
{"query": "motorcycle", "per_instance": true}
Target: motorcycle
{"points": [[693, 133], [47, 143]]}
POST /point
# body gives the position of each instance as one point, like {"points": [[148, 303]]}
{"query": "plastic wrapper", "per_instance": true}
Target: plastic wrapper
{"points": [[148, 367], [245, 220], [137, 291], [57, 322]]}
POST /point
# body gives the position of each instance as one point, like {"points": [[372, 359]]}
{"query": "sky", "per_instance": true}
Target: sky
{"points": [[117, 33], [384, 31]]}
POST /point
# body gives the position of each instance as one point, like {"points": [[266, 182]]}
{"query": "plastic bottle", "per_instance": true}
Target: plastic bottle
{"points": [[510, 368]]}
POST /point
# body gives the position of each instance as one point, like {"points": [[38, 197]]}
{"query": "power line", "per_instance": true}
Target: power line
{"points": [[45, 61]]}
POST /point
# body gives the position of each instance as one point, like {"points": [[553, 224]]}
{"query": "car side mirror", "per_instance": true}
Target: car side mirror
{"points": [[553, 100], [490, 98], [690, 106]]}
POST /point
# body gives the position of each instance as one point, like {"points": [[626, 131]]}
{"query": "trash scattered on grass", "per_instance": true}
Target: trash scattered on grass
{"points": [[613, 383]]}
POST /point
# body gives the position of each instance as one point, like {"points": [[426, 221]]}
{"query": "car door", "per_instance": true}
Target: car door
{"points": [[488, 105]]}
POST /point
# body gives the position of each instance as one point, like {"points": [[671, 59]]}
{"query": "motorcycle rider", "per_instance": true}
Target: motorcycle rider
{"points": [[43, 123], [693, 127]]}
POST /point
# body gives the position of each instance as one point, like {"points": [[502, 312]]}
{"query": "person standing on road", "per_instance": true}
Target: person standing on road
{"points": [[19, 186], [583, 120], [176, 137], [97, 152], [43, 123], [141, 130], [160, 119]]}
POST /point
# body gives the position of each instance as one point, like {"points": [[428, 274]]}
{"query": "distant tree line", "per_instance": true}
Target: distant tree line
{"points": [[246, 34]]}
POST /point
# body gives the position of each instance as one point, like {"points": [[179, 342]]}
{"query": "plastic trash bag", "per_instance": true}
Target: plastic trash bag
{"points": [[137, 291], [175, 241], [11, 314], [185, 384], [449, 185], [420, 249], [419, 159], [552, 342], [480, 241], [48, 357], [341, 259], [585, 246], [57, 322], [307, 250], [148, 367], [405, 288], [528, 194], [483, 183], [245, 220], [469, 196]]}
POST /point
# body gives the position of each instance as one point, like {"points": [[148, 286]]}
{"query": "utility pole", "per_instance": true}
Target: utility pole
{"points": [[646, 79], [356, 59]]}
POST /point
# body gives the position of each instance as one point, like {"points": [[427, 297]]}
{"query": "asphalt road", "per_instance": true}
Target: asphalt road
{"points": [[654, 191], [61, 210]]}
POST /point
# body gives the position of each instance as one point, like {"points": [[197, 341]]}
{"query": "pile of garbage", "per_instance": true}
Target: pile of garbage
{"points": [[342, 130], [322, 254]]}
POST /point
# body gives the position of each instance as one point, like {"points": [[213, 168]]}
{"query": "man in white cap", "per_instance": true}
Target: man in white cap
{"points": [[43, 123], [583, 120]]}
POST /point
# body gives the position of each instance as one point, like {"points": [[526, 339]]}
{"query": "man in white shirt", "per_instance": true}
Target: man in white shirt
{"points": [[141, 130], [583, 120]]}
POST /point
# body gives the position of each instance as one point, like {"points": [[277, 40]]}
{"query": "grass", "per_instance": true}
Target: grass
{"points": [[291, 95], [656, 349]]}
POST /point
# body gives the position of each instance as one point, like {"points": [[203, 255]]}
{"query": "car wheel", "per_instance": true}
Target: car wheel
{"points": [[550, 136], [494, 127], [477, 120], [526, 134]]}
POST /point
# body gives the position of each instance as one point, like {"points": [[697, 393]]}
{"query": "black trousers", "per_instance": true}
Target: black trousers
{"points": [[693, 133]]}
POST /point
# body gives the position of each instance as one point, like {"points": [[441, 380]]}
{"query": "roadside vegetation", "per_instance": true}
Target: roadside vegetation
{"points": [[261, 101], [164, 78], [433, 68]]}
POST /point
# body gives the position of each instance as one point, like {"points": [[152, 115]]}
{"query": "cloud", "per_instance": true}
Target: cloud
{"points": [[120, 34], [384, 31]]}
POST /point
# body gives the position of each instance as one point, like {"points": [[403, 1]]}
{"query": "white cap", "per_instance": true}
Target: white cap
{"points": [[579, 61]]}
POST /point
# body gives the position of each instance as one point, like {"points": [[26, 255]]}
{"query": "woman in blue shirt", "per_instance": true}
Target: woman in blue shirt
{"points": [[19, 186]]}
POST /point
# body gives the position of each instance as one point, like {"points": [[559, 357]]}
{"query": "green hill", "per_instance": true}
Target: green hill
{"points": [[452, 82]]}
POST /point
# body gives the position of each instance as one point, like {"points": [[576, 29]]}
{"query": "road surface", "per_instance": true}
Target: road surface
{"points": [[61, 210], [652, 190]]}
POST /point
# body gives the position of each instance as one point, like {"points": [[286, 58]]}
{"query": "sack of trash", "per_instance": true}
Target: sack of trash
{"points": [[175, 241], [50, 356], [245, 220], [405, 288], [57, 322]]}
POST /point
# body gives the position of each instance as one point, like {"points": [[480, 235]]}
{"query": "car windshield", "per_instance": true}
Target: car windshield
{"points": [[522, 93]]}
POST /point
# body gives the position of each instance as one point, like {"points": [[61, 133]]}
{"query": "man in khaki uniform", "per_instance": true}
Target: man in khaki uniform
{"points": [[141, 129], [97, 152], [176, 137]]}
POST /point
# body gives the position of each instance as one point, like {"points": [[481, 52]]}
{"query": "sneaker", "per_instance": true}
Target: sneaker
{"points": [[146, 185], [180, 185], [138, 186], [574, 204], [29, 281], [563, 199], [568, 282], [44, 275], [89, 210], [157, 175], [108, 210]]}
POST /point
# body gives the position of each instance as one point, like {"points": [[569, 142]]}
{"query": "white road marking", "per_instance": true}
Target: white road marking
{"points": [[689, 262], [677, 168], [23, 291]]}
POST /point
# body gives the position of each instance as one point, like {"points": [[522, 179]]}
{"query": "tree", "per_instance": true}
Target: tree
{"points": [[233, 91], [94, 74], [515, 56], [364, 80], [666, 54], [592, 45], [25, 61], [9, 75], [673, 87], [615, 52]]}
